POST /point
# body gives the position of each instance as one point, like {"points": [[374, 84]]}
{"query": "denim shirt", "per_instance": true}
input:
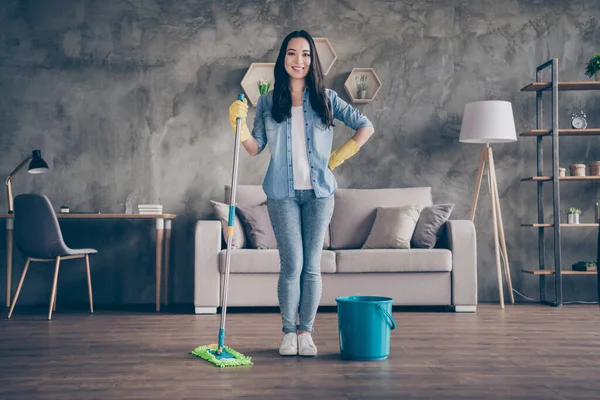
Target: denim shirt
{"points": [[279, 179]]}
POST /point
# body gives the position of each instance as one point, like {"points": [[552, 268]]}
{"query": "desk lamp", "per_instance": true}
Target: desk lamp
{"points": [[36, 166]]}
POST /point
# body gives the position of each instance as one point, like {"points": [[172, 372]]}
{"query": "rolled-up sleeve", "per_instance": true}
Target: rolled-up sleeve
{"points": [[258, 130], [349, 115]]}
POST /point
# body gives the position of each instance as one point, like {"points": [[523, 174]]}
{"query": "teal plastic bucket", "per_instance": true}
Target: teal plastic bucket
{"points": [[365, 324]]}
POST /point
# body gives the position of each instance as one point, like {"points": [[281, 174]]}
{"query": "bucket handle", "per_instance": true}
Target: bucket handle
{"points": [[388, 316]]}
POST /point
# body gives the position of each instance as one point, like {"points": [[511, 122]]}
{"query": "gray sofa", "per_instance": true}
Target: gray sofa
{"points": [[443, 276]]}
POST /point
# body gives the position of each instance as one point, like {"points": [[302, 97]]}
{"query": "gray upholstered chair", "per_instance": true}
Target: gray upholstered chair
{"points": [[38, 236]]}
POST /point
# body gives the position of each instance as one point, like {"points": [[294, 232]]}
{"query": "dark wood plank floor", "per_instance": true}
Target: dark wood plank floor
{"points": [[523, 352]]}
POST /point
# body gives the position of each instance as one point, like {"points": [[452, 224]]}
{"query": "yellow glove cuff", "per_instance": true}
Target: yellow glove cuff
{"points": [[342, 153]]}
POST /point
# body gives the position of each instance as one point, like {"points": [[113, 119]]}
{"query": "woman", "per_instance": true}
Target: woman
{"points": [[296, 120]]}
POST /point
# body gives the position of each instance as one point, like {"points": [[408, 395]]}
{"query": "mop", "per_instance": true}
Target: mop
{"points": [[219, 354]]}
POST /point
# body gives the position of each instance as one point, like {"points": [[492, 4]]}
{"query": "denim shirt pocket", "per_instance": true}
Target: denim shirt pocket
{"points": [[275, 134], [270, 124], [319, 126]]}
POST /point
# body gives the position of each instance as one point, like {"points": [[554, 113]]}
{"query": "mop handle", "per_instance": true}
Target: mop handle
{"points": [[230, 229]]}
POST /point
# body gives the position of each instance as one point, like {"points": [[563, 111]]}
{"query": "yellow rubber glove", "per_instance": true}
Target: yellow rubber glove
{"points": [[342, 153], [239, 109]]}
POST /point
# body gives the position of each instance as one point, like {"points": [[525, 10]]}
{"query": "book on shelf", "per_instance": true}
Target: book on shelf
{"points": [[150, 208]]}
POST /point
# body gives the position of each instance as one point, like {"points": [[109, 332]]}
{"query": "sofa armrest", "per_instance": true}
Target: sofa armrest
{"points": [[207, 245], [462, 242]]}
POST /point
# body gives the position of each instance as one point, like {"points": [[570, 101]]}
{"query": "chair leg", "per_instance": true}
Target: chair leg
{"points": [[19, 287], [89, 279], [53, 296]]}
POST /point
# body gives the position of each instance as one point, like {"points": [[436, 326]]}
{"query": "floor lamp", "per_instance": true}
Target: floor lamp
{"points": [[486, 122]]}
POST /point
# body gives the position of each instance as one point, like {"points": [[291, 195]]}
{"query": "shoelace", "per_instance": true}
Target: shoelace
{"points": [[288, 340], [305, 340]]}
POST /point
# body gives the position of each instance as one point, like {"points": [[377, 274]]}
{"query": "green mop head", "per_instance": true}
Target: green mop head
{"points": [[227, 358]]}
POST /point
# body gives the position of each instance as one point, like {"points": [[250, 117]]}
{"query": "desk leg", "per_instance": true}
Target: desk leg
{"points": [[160, 230], [167, 258], [9, 251]]}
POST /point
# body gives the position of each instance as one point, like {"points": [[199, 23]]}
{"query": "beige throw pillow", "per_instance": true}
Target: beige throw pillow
{"points": [[393, 227]]}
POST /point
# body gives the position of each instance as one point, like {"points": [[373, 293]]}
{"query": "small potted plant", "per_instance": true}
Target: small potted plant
{"points": [[593, 67], [263, 86], [361, 86], [573, 215], [585, 266], [64, 209]]}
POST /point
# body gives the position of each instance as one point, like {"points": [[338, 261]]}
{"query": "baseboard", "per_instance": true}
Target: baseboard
{"points": [[206, 310], [465, 309]]}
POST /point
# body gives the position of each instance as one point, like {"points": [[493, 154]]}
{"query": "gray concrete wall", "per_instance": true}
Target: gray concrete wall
{"points": [[128, 100]]}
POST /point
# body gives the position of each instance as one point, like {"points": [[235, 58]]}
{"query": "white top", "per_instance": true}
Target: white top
{"points": [[299, 152]]}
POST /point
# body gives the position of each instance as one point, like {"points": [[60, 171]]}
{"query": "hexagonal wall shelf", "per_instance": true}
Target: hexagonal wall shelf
{"points": [[326, 54], [255, 73], [371, 79]]}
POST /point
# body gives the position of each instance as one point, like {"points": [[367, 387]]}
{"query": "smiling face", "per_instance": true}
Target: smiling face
{"points": [[297, 58]]}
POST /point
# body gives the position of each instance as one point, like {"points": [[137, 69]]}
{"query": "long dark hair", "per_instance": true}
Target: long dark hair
{"points": [[282, 97]]}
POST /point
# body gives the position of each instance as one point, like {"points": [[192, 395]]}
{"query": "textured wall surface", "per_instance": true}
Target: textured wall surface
{"points": [[128, 102]]}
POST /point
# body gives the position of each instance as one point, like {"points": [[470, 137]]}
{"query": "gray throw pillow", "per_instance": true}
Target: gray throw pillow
{"points": [[393, 227], [222, 213], [429, 226], [257, 226]]}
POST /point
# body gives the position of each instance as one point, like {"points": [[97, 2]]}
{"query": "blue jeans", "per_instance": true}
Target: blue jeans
{"points": [[300, 224]]}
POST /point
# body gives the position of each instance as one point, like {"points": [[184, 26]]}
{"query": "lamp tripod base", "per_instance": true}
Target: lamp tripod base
{"points": [[487, 157]]}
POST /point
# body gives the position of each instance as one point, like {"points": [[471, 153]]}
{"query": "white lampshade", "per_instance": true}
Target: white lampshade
{"points": [[488, 121]]}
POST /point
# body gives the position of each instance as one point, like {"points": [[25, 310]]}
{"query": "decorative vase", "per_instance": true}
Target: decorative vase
{"points": [[598, 75], [594, 168], [361, 94], [573, 218], [262, 89], [577, 169]]}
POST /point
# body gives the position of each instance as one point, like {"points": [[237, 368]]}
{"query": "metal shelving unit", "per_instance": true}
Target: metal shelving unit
{"points": [[554, 86]]}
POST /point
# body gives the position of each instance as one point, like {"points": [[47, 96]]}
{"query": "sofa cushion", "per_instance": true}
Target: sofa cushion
{"points": [[355, 211], [257, 226], [393, 260], [393, 227], [429, 226], [249, 261], [222, 213], [252, 195]]}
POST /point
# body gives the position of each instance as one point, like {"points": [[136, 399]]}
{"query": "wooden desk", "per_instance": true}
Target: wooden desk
{"points": [[163, 222]]}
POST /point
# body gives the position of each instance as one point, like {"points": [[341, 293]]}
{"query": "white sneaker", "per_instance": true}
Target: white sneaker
{"points": [[306, 345], [289, 346]]}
